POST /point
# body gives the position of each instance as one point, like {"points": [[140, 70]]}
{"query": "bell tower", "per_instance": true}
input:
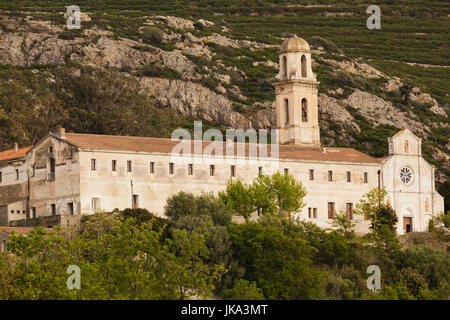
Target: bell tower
{"points": [[296, 95]]}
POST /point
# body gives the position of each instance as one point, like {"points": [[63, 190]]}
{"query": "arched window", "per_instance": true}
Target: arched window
{"points": [[303, 66], [427, 209], [284, 66], [51, 172], [286, 111], [304, 110], [406, 146]]}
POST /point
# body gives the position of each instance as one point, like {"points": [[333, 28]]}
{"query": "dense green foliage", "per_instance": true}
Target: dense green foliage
{"points": [[198, 252]]}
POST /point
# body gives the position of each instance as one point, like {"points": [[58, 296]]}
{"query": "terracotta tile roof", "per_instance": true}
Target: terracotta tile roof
{"points": [[11, 154], [17, 230], [163, 145]]}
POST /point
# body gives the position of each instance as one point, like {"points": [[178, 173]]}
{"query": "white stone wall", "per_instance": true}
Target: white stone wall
{"points": [[114, 188], [61, 191]]}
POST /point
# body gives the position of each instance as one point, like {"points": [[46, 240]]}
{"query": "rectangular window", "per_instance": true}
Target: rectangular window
{"points": [[366, 179], [233, 171], [114, 165], [171, 168], [330, 175], [53, 209], [93, 163], [135, 201], [12, 211], [309, 213], [95, 204], [17, 174], [152, 167], [129, 167], [349, 207], [33, 212], [315, 213], [330, 210], [211, 170], [349, 176], [311, 174], [70, 208], [1, 177], [260, 170], [286, 171], [190, 169], [18, 211]]}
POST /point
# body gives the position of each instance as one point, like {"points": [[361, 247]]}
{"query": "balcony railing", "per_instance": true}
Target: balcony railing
{"points": [[51, 176]]}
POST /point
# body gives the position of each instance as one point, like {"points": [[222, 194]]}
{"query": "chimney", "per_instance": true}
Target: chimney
{"points": [[16, 147], [60, 132]]}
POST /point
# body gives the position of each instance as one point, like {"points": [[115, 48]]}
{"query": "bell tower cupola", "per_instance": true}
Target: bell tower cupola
{"points": [[296, 95]]}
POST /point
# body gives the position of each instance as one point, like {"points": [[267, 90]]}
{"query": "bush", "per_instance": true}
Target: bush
{"points": [[152, 35]]}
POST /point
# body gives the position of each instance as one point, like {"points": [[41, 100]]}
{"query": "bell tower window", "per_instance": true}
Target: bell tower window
{"points": [[286, 111], [284, 66], [303, 66], [304, 110]]}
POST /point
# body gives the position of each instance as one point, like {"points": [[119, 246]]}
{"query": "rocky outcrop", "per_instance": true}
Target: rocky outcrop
{"points": [[331, 110], [418, 96], [354, 67], [196, 101], [380, 111], [227, 42]]}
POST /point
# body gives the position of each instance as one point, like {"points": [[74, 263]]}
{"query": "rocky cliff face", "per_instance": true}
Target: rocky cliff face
{"points": [[192, 73]]}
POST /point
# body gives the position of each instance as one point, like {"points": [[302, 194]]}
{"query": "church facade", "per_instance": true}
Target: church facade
{"points": [[71, 174]]}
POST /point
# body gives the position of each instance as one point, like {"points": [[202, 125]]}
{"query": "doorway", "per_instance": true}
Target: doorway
{"points": [[407, 224]]}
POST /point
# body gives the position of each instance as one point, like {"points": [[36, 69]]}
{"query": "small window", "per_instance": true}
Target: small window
{"points": [[406, 146], [330, 175], [366, 178], [286, 111], [152, 167], [33, 170], [260, 170], [233, 171], [18, 211], [114, 165], [95, 204], [70, 208], [212, 170], [349, 176], [190, 169], [349, 207], [286, 171], [427, 209], [171, 168], [17, 174], [50, 149], [129, 167], [33, 212], [1, 177], [330, 210], [53, 209], [93, 164], [311, 174], [315, 213], [310, 213], [12, 211]]}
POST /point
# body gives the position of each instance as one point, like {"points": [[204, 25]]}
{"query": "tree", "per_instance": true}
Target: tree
{"points": [[281, 265], [343, 225], [238, 197], [288, 192], [244, 290], [370, 202]]}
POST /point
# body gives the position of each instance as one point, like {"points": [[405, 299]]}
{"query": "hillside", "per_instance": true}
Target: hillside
{"points": [[147, 67]]}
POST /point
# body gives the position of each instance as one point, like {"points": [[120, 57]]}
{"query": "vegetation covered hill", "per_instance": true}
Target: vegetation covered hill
{"points": [[146, 67]]}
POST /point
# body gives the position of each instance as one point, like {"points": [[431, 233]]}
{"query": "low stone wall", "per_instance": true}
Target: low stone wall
{"points": [[48, 222]]}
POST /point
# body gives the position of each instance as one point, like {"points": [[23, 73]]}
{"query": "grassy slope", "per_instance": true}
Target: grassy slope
{"points": [[412, 31]]}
